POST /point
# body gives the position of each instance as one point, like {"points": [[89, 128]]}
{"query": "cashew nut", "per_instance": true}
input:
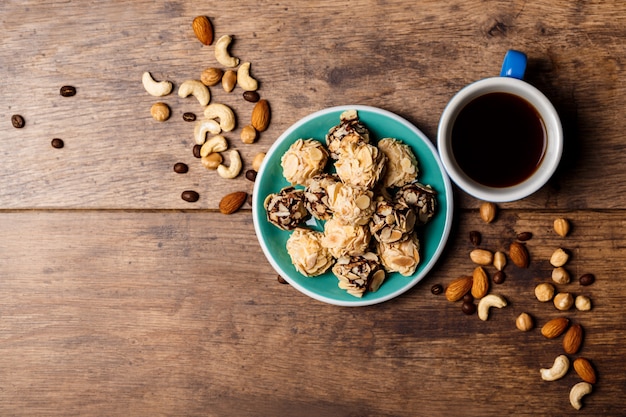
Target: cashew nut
{"points": [[197, 89], [490, 300], [577, 392], [244, 80], [221, 52], [558, 370], [215, 144], [203, 127], [235, 166], [154, 88], [222, 112]]}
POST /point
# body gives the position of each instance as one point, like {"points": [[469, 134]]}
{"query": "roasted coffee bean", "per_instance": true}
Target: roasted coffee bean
{"points": [[468, 308], [475, 237], [281, 280], [180, 168], [17, 121], [468, 298], [189, 117], [57, 143], [498, 277], [196, 151], [251, 96], [524, 236], [190, 196], [68, 91], [587, 279], [251, 175], [436, 289]]}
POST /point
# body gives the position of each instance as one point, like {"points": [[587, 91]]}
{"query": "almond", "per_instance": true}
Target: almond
{"points": [[480, 282], [573, 339], [203, 29], [585, 370], [555, 327], [519, 255], [261, 115], [458, 288], [230, 203]]}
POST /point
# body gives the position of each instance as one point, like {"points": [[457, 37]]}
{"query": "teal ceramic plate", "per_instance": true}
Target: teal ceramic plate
{"points": [[380, 123]]}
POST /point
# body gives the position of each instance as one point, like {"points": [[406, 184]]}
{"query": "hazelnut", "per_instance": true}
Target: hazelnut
{"points": [[212, 160], [248, 134], [524, 322], [160, 112], [544, 292], [563, 301], [560, 275], [559, 258], [582, 303]]}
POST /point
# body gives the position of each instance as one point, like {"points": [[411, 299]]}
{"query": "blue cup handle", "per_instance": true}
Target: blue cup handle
{"points": [[514, 64]]}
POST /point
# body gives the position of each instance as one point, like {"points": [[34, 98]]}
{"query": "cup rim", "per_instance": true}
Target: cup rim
{"points": [[551, 158]]}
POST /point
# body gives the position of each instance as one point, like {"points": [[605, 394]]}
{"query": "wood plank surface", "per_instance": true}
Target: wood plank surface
{"points": [[159, 318], [118, 298]]}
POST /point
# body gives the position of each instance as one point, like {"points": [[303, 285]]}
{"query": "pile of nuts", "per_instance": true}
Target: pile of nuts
{"points": [[218, 118], [476, 286]]}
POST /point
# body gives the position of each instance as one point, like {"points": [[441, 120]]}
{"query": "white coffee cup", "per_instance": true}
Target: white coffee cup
{"points": [[477, 168]]}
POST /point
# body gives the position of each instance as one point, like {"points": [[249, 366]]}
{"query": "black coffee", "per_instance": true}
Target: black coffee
{"points": [[499, 139]]}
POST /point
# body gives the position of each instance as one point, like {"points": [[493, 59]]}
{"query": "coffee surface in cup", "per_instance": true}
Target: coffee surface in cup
{"points": [[499, 139]]}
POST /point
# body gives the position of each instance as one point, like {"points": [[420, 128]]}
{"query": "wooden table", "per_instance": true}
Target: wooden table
{"points": [[119, 298]]}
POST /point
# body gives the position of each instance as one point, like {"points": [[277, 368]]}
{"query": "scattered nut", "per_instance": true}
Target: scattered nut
{"points": [[458, 288], [257, 161], [585, 370], [211, 76], [480, 282], [573, 339], [244, 79], [481, 257], [519, 255], [229, 80], [222, 112], [561, 227], [196, 89], [232, 202], [586, 279], [203, 29], [559, 258], [582, 303], [499, 260], [488, 301], [160, 111], [248, 134], [577, 392], [203, 127], [221, 52], [555, 327], [557, 371], [563, 301], [233, 169], [261, 115], [560, 275], [154, 88], [524, 322], [212, 160], [487, 211], [544, 292], [217, 143]]}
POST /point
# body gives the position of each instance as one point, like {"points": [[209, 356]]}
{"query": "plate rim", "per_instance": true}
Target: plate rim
{"points": [[447, 224]]}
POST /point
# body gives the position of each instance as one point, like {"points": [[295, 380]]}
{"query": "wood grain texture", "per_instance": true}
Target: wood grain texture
{"points": [[177, 314], [118, 298], [406, 58]]}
